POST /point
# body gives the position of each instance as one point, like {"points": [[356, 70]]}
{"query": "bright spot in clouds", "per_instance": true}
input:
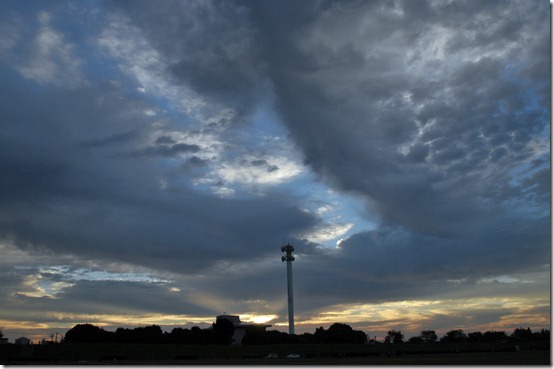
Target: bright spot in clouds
{"points": [[258, 319]]}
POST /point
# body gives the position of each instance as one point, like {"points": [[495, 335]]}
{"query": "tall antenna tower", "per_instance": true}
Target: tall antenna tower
{"points": [[288, 249]]}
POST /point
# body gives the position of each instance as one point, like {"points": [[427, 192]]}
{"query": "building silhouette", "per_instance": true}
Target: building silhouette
{"points": [[22, 341], [240, 327]]}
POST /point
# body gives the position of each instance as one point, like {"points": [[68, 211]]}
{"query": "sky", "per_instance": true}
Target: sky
{"points": [[156, 155]]}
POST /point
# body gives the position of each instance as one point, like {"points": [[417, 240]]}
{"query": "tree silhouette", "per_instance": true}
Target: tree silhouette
{"points": [[454, 336], [543, 335], [148, 334], [522, 335], [319, 335], [475, 337], [394, 337], [428, 336], [222, 331], [343, 333], [416, 339], [88, 333], [201, 336], [259, 336], [495, 336], [180, 336]]}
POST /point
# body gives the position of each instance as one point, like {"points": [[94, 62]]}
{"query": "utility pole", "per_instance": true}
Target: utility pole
{"points": [[288, 249]]}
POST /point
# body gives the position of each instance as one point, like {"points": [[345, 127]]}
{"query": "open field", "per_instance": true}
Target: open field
{"points": [[99, 354]]}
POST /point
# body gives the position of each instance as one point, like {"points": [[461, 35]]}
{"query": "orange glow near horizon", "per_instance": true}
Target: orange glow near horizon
{"points": [[258, 319], [60, 320], [413, 316], [408, 316]]}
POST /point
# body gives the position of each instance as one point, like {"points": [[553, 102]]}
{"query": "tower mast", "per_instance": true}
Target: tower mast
{"points": [[288, 249]]}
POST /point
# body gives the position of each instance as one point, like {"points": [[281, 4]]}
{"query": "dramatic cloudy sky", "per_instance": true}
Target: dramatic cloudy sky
{"points": [[156, 155]]}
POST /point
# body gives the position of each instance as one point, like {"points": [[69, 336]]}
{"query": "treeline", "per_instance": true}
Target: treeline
{"points": [[459, 336], [337, 333], [221, 333]]}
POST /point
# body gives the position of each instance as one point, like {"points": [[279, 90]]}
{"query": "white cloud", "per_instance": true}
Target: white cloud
{"points": [[141, 62], [248, 170], [138, 60], [51, 58], [327, 232], [37, 286], [223, 191], [323, 209]]}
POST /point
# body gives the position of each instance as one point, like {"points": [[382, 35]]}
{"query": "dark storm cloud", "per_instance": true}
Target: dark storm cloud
{"points": [[39, 144], [465, 123], [430, 137], [112, 297], [173, 151], [113, 139], [94, 298], [261, 162], [392, 263], [211, 46], [107, 204], [165, 140], [195, 161], [182, 235]]}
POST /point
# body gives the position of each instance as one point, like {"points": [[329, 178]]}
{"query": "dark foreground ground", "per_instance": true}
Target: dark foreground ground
{"points": [[129, 354]]}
